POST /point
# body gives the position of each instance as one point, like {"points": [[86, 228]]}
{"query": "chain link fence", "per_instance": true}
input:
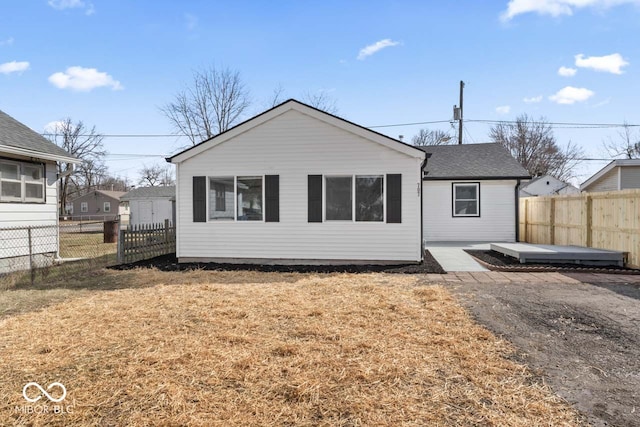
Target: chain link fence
{"points": [[44, 254]]}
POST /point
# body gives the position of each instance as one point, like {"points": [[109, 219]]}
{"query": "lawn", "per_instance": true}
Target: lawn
{"points": [[247, 348], [85, 245]]}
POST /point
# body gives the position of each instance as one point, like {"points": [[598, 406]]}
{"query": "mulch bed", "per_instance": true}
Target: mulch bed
{"points": [[170, 263], [495, 261]]}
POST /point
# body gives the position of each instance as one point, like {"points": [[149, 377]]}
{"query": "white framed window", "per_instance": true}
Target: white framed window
{"points": [[106, 207], [21, 182], [466, 199], [84, 207], [368, 205], [236, 198]]}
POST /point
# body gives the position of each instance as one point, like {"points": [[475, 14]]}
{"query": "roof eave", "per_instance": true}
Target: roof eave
{"points": [[38, 154], [473, 178]]}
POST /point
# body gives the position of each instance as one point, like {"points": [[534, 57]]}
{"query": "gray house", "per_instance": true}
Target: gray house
{"points": [[98, 205], [623, 174], [28, 194]]}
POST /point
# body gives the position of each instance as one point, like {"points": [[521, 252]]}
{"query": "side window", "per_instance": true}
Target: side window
{"points": [[369, 198], [84, 207], [106, 207], [221, 196], [466, 199], [338, 198]]}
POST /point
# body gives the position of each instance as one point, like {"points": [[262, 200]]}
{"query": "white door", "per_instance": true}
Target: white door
{"points": [[145, 212]]}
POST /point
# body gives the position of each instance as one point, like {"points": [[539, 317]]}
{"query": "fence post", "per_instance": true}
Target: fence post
{"points": [[588, 206], [120, 245], [552, 220], [30, 242], [166, 231]]}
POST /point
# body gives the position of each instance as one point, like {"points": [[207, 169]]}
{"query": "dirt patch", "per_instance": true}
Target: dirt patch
{"points": [[497, 261], [170, 263], [583, 338], [341, 349]]}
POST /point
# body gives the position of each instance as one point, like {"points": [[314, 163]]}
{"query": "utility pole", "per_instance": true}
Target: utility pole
{"points": [[461, 113]]}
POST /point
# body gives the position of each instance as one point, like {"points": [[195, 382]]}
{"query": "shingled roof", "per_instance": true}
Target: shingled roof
{"points": [[17, 138], [472, 161], [144, 192]]}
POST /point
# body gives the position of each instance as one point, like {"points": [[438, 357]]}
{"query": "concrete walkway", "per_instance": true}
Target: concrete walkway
{"points": [[452, 257], [498, 277]]}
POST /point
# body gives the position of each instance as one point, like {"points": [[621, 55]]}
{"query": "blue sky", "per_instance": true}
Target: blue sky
{"points": [[113, 63]]}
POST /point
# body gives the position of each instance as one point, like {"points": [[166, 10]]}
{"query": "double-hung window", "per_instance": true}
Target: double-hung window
{"points": [[466, 199], [106, 207], [236, 198], [367, 205], [21, 182]]}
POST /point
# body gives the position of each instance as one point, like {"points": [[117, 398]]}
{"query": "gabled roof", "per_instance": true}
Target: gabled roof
{"points": [[16, 138], [293, 104], [150, 192], [472, 161], [112, 194], [607, 168]]}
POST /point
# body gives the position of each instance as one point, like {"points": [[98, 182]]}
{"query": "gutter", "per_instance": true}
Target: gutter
{"points": [[38, 154]]}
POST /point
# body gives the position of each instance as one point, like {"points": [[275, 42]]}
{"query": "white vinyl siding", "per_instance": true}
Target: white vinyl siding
{"points": [[150, 210], [19, 214], [496, 222], [293, 146]]}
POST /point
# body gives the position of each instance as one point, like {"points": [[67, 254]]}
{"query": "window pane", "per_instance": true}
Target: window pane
{"points": [[466, 192], [11, 189], [84, 207], [32, 173], [9, 171], [369, 200], [34, 191], [221, 195], [249, 198], [338, 198], [107, 206], [466, 207]]}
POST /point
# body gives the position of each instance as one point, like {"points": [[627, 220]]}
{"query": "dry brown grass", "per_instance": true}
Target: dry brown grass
{"points": [[269, 349]]}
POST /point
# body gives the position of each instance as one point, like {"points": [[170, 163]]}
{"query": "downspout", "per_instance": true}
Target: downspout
{"points": [[422, 174], [517, 202]]}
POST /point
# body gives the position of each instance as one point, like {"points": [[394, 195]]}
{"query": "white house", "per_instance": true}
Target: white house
{"points": [[151, 205], [546, 185], [28, 194], [295, 184], [298, 185], [622, 174], [470, 193]]}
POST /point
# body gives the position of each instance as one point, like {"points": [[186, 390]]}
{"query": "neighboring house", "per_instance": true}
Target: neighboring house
{"points": [[546, 185], [98, 205], [295, 184], [151, 205], [620, 174], [470, 193], [28, 194]]}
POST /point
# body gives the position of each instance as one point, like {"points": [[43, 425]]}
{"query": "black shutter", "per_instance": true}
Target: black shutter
{"points": [[272, 198], [314, 213], [394, 198], [199, 199]]}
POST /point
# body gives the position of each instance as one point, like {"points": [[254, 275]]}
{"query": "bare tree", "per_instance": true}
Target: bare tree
{"points": [[426, 137], [156, 175], [214, 101], [533, 144], [627, 145], [83, 143], [114, 183], [277, 97], [321, 100]]}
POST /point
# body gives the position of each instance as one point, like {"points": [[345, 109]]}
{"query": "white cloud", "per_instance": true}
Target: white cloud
{"points": [[192, 21], [533, 99], [556, 7], [72, 4], [7, 42], [609, 63], [53, 127], [83, 79], [503, 109], [566, 71], [570, 95], [14, 67], [377, 46], [602, 103]]}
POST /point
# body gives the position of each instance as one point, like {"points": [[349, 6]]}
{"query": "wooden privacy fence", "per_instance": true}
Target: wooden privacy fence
{"points": [[146, 241], [608, 220]]}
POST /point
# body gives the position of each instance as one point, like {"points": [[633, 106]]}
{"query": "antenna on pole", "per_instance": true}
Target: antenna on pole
{"points": [[461, 114]]}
